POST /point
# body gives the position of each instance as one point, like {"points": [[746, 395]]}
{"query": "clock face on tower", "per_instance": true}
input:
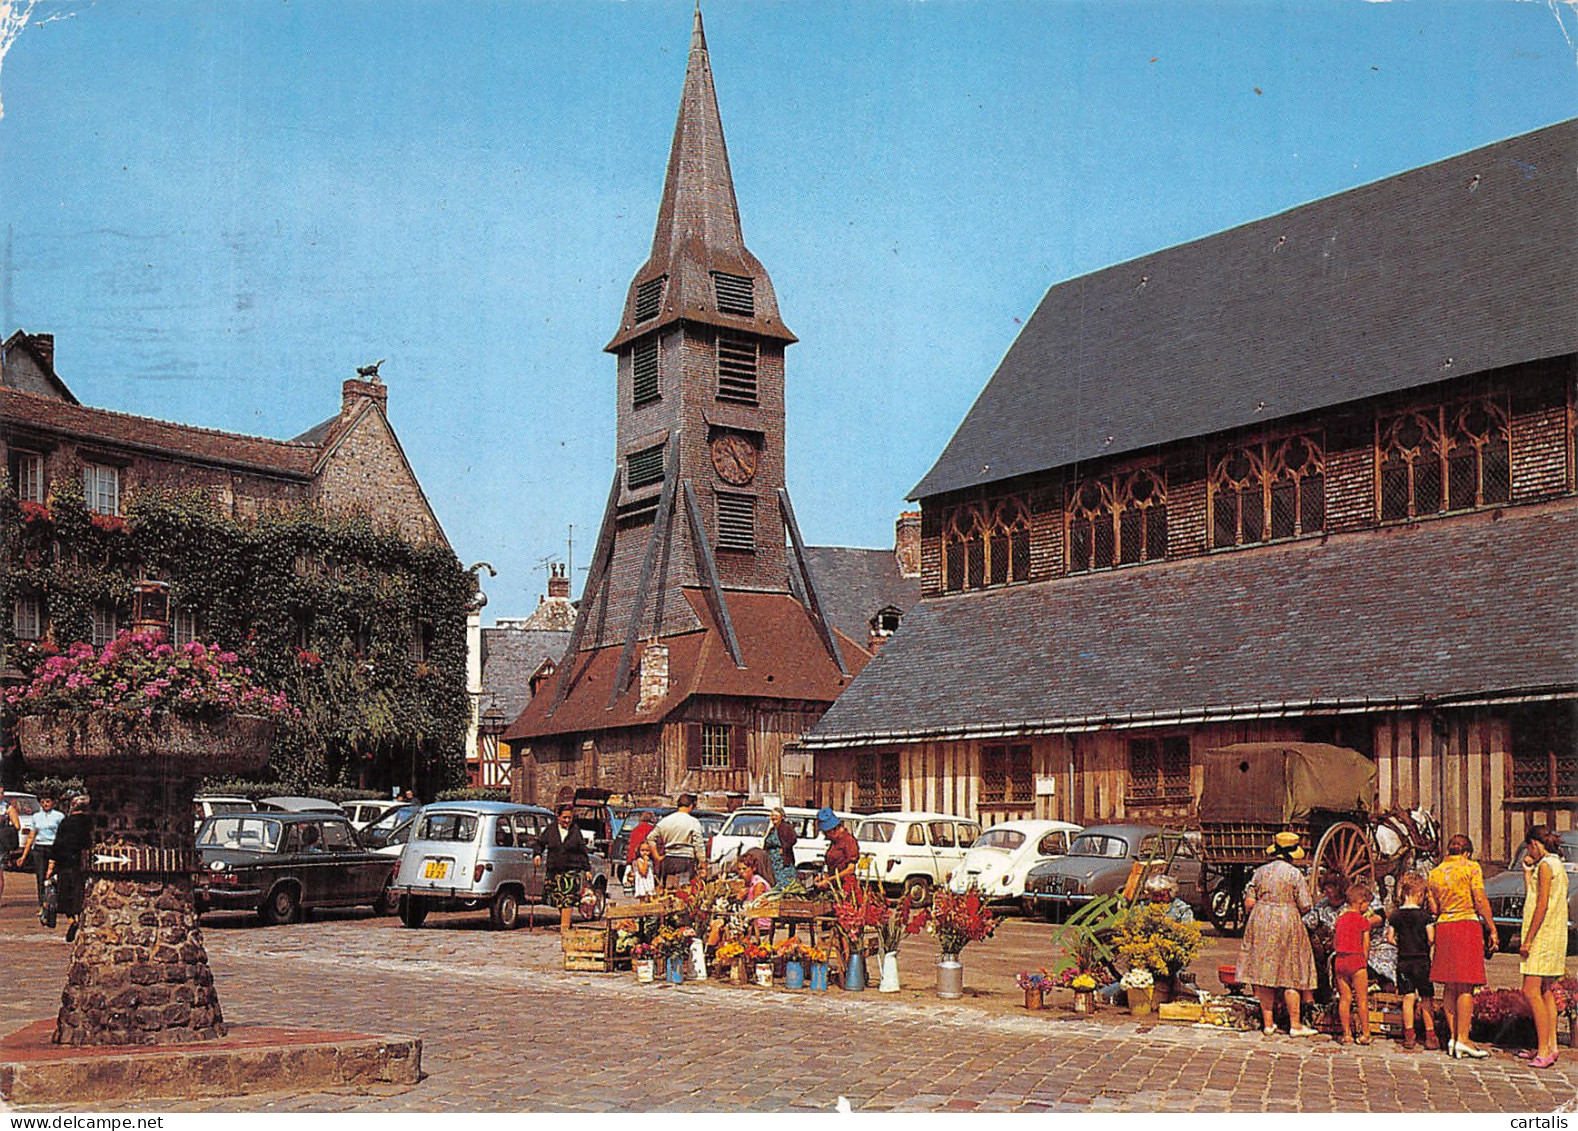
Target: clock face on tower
{"points": [[734, 458]]}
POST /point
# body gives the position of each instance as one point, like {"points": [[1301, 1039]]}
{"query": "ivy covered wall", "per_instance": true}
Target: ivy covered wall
{"points": [[362, 629]]}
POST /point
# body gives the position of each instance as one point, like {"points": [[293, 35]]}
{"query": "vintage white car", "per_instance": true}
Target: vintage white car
{"points": [[1003, 855], [913, 852]]}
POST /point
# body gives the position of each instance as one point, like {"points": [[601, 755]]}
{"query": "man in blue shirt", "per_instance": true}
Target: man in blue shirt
{"points": [[39, 846]]}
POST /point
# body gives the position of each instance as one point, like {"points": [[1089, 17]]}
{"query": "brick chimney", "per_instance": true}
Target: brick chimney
{"points": [[654, 676], [906, 543], [558, 583], [354, 392]]}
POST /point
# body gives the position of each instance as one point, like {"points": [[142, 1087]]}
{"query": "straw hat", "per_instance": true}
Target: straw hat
{"points": [[1282, 842]]}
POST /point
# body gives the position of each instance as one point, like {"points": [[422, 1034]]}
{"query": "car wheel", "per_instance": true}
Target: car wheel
{"points": [[413, 910], [506, 910], [388, 902], [282, 905], [918, 890], [599, 903]]}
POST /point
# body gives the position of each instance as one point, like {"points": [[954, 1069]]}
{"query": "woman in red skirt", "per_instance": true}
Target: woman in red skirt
{"points": [[1463, 920]]}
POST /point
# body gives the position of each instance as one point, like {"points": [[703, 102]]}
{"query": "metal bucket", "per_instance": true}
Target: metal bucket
{"points": [[950, 978]]}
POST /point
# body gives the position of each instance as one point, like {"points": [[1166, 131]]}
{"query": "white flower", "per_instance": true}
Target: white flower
{"points": [[1138, 978]]}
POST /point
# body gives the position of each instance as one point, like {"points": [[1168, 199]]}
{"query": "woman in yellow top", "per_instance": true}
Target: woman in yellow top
{"points": [[1544, 945], [1457, 900]]}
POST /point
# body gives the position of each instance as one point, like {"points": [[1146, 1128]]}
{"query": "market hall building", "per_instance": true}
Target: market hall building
{"points": [[694, 660], [1311, 478]]}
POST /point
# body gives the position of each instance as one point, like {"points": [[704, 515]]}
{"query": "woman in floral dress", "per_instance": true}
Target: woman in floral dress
{"points": [[1275, 953]]}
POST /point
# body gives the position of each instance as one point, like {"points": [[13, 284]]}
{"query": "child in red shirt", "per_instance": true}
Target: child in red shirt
{"points": [[1352, 944]]}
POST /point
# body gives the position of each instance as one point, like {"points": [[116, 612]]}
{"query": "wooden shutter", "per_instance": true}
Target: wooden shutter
{"points": [[693, 746], [737, 751]]}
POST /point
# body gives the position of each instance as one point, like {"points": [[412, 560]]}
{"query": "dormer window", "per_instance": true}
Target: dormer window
{"points": [[649, 298], [736, 294]]}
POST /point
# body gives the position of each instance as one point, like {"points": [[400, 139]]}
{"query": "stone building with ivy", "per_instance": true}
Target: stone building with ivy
{"points": [[1311, 478], [319, 559]]}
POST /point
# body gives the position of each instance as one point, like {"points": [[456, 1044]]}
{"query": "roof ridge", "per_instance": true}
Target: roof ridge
{"points": [[198, 428]]}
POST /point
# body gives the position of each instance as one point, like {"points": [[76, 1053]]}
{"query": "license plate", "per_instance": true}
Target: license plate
{"points": [[436, 870]]}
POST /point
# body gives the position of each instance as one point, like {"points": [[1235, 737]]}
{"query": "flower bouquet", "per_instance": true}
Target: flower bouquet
{"points": [[644, 957], [1141, 988], [855, 909], [897, 922], [957, 920], [1084, 987], [673, 949], [1035, 984], [760, 959]]}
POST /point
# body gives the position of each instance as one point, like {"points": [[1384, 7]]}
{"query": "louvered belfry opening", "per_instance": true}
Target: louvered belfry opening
{"points": [[736, 522], [645, 384], [737, 368], [644, 468], [736, 294], [649, 298]]}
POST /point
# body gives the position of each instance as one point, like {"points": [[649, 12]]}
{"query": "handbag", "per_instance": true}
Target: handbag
{"points": [[9, 840], [50, 911]]}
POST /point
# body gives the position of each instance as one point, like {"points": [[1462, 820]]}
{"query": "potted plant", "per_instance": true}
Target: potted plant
{"points": [[855, 909], [897, 921], [673, 948], [1147, 937], [957, 920], [1084, 987], [761, 960], [731, 956], [1035, 983], [1141, 987], [644, 957], [817, 958], [792, 953]]}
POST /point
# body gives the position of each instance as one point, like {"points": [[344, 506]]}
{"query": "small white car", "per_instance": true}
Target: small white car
{"points": [[913, 852], [364, 813], [1003, 855], [747, 825]]}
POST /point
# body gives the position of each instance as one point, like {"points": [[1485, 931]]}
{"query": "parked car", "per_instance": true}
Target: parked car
{"points": [[913, 852], [26, 805], [1000, 858], [398, 838], [209, 805], [746, 826], [1505, 892], [288, 804], [363, 813], [1098, 863], [467, 855], [283, 864], [380, 833]]}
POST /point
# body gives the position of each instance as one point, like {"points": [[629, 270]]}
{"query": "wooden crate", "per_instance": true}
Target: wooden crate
{"points": [[589, 946]]}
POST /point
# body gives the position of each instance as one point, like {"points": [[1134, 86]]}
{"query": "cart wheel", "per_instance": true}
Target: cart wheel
{"points": [[1344, 850], [1226, 909]]}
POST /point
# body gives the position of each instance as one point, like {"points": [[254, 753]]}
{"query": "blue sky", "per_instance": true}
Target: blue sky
{"points": [[221, 208]]}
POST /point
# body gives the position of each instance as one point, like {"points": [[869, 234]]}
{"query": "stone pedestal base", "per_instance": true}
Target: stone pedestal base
{"points": [[139, 972], [34, 1070]]}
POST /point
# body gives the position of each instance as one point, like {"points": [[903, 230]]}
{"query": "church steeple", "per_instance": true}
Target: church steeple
{"points": [[699, 268]]}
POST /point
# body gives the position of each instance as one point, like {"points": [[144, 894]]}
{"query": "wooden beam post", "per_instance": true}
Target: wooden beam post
{"points": [[709, 574], [595, 578], [812, 605], [661, 527]]}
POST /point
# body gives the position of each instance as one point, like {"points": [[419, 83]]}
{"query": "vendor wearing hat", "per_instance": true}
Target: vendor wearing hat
{"points": [[843, 852], [1275, 953]]}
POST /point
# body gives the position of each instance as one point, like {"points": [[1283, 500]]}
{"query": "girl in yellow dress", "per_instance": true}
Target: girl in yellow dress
{"points": [[1544, 945]]}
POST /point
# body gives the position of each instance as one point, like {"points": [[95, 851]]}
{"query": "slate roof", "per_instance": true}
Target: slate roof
{"points": [[252, 453], [1463, 608], [510, 656], [853, 585], [784, 659], [1457, 267]]}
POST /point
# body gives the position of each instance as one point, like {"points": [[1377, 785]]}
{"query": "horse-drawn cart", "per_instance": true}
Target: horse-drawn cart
{"points": [[1254, 790]]}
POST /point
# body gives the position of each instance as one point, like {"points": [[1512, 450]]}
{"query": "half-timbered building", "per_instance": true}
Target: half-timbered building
{"points": [[1309, 478]]}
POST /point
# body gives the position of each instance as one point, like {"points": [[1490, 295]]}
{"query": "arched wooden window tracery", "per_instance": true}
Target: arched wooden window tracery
{"points": [[1444, 457], [1117, 519], [986, 543], [1268, 490]]}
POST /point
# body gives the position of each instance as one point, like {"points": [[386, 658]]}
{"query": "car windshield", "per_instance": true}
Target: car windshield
{"points": [[1109, 846], [709, 825], [746, 824], [1005, 840], [259, 834], [392, 818], [879, 832], [449, 826]]}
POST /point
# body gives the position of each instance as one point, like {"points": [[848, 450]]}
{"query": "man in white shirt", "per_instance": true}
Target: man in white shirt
{"points": [[40, 829], [678, 838]]}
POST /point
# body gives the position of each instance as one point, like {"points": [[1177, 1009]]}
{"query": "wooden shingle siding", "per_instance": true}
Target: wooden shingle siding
{"points": [[1539, 454], [1187, 517], [1046, 535]]}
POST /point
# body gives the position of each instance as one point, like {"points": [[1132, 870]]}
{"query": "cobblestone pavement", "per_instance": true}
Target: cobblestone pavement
{"points": [[503, 1029]]}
